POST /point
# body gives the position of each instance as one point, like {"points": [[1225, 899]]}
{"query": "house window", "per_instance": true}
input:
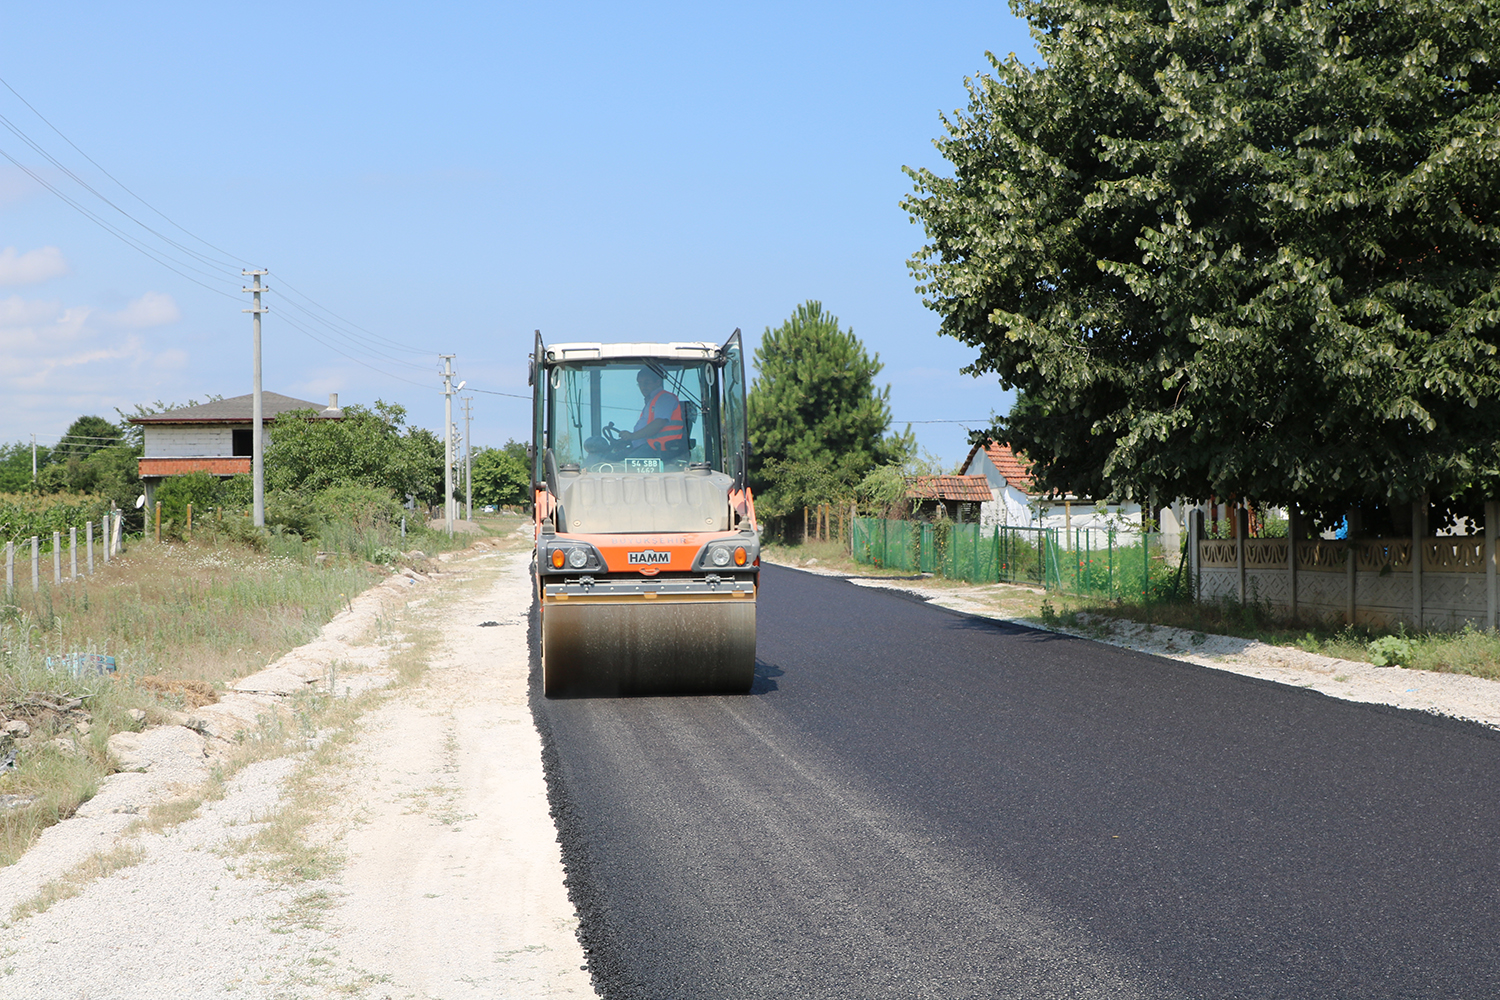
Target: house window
{"points": [[242, 443]]}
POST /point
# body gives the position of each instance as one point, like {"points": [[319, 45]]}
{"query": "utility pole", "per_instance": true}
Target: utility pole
{"points": [[468, 460], [257, 429], [447, 360]]}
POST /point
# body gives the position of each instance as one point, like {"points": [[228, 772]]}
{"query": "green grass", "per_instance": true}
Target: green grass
{"points": [[210, 610], [1469, 651]]}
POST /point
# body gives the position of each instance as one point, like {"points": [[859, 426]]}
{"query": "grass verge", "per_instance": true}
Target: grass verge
{"points": [[1469, 651], [181, 620]]}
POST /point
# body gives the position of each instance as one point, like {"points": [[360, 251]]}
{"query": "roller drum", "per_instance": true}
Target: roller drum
{"points": [[648, 647]]}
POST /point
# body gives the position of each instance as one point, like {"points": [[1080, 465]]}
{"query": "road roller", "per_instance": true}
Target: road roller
{"points": [[647, 554]]}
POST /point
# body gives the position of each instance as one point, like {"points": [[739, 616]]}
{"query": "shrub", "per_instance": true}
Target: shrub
{"points": [[1391, 651]]}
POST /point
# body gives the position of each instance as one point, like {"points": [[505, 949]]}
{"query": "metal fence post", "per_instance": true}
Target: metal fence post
{"points": [[73, 551], [56, 557], [36, 563], [89, 545]]}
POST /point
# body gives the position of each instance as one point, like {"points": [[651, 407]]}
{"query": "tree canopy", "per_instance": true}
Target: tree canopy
{"points": [[368, 447], [501, 475], [816, 419], [1244, 249]]}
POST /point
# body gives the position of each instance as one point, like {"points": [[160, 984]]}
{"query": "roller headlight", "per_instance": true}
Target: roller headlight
{"points": [[728, 554], [572, 557]]}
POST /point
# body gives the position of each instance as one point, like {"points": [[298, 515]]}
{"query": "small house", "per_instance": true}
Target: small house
{"points": [[958, 498], [213, 437], [1016, 501]]}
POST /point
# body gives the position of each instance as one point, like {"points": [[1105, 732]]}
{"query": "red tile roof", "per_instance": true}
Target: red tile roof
{"points": [[1015, 468], [971, 489]]}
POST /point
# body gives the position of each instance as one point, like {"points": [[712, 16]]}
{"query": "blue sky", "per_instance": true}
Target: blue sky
{"points": [[447, 178]]}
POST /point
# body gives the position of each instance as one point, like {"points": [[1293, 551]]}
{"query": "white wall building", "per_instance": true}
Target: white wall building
{"points": [[1017, 503]]}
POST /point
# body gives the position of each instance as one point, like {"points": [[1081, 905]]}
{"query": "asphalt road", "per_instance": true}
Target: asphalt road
{"points": [[913, 803]]}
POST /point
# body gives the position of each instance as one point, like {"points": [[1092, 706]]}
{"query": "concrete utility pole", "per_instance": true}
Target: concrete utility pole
{"points": [[468, 460], [257, 429], [447, 360]]}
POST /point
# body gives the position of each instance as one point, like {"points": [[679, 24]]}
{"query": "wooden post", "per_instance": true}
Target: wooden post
{"points": [[1353, 529], [1491, 525], [10, 569], [804, 524], [1241, 524], [1418, 537], [158, 522], [189, 528], [1293, 532], [36, 560]]}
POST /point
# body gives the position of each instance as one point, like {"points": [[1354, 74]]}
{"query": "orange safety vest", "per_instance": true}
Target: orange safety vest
{"points": [[672, 431]]}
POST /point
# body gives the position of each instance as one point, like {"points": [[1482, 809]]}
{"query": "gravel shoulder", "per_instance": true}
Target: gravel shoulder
{"points": [[445, 878], [1457, 696]]}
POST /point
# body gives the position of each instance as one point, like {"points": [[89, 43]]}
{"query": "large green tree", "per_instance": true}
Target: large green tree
{"points": [[816, 420], [87, 435], [368, 447], [502, 475], [1241, 248]]}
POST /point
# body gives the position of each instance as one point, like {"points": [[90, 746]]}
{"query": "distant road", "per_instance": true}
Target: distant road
{"points": [[913, 803]]}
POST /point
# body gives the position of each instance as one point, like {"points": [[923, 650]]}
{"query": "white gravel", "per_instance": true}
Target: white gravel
{"points": [[452, 885]]}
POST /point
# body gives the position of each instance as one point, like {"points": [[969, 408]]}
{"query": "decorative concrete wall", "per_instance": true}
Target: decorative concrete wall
{"points": [[1454, 585]]}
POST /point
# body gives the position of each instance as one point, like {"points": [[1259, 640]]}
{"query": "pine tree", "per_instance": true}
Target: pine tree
{"points": [[817, 423]]}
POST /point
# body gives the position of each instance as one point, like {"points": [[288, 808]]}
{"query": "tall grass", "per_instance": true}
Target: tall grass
{"points": [[212, 609]]}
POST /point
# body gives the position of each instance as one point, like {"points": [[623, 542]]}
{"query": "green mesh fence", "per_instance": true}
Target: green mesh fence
{"points": [[1085, 561]]}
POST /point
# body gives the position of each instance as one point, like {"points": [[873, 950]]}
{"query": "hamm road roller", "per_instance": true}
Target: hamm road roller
{"points": [[647, 554]]}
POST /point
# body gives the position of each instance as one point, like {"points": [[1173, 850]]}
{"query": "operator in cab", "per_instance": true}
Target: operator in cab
{"points": [[659, 430]]}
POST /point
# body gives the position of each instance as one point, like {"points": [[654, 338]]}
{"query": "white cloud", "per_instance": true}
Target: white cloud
{"points": [[46, 346], [151, 309], [32, 267]]}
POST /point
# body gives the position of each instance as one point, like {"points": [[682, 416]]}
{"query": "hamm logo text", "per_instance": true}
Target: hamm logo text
{"points": [[647, 558]]}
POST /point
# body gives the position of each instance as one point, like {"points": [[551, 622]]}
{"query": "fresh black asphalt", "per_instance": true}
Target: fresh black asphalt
{"points": [[915, 803]]}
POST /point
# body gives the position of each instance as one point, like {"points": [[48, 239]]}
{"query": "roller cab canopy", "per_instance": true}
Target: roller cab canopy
{"points": [[586, 394]]}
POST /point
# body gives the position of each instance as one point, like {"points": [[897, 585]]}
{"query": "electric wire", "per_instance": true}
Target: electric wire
{"points": [[343, 328], [393, 344], [18, 133], [112, 177], [357, 342], [357, 360], [113, 231], [492, 392]]}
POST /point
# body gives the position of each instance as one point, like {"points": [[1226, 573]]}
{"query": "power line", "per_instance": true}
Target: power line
{"points": [[395, 345], [113, 231], [111, 176], [357, 360], [365, 341], [491, 392]]}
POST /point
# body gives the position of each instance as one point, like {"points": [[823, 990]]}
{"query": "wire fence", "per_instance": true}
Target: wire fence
{"points": [[1085, 561]]}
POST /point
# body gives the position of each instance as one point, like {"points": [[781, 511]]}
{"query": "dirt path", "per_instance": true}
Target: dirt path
{"points": [[454, 878], [407, 852]]}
